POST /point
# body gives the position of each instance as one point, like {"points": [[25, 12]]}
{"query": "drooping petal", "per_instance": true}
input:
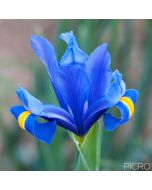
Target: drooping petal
{"points": [[48, 112], [73, 54], [27, 121], [99, 72], [126, 107], [73, 83], [112, 97], [29, 101], [132, 94], [45, 52], [61, 116]]}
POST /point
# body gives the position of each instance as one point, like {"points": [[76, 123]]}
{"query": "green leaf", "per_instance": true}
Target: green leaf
{"points": [[89, 149]]}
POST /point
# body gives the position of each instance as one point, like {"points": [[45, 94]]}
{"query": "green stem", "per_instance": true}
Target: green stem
{"points": [[89, 149], [98, 152], [79, 152], [82, 157]]}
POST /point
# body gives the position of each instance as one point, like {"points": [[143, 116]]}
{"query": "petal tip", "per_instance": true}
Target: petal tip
{"points": [[16, 110], [68, 37], [12, 110], [105, 44], [34, 37], [19, 89], [110, 123], [21, 94], [133, 94]]}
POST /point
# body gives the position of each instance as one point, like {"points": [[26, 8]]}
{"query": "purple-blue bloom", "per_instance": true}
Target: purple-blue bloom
{"points": [[85, 87]]}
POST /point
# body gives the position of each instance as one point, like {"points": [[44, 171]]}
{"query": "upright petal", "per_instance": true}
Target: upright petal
{"points": [[45, 52], [126, 106], [73, 83], [48, 112], [99, 72], [95, 111], [27, 121], [73, 54], [112, 97], [117, 87]]}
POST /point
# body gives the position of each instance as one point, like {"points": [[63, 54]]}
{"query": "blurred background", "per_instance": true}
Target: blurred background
{"points": [[130, 44]]}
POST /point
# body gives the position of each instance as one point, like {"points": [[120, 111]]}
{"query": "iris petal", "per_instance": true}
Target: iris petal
{"points": [[99, 72], [85, 88], [61, 116], [133, 94], [112, 97], [42, 131], [117, 87], [73, 83], [29, 101], [45, 52], [49, 112], [95, 111], [126, 107], [73, 53]]}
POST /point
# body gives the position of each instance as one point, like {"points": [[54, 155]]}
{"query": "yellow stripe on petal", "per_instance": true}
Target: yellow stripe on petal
{"points": [[130, 105], [22, 118]]}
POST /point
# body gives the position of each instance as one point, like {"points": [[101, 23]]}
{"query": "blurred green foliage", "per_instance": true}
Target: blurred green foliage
{"points": [[130, 143]]}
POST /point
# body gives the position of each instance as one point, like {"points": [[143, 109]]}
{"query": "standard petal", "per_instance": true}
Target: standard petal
{"points": [[27, 121], [45, 52], [99, 72], [73, 54], [117, 88], [112, 97], [73, 83], [95, 111], [126, 106], [48, 112]]}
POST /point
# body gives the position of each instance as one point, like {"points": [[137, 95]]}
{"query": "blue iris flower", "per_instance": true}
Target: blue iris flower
{"points": [[85, 87]]}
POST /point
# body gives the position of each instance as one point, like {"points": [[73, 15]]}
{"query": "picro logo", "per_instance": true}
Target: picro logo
{"points": [[137, 166]]}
